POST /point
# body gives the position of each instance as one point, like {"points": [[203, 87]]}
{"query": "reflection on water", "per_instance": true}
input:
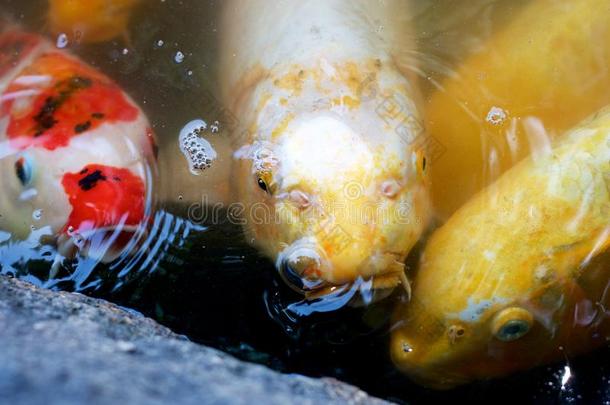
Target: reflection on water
{"points": [[42, 265], [201, 277]]}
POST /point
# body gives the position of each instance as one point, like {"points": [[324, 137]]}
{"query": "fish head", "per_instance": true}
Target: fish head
{"points": [[331, 206], [479, 326], [98, 183]]}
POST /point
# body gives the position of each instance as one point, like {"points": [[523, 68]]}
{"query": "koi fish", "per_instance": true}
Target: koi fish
{"points": [[91, 20], [76, 153], [523, 89], [329, 169], [518, 276]]}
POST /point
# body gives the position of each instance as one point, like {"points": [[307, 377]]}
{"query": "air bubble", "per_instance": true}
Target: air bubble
{"points": [[496, 116], [37, 215], [198, 152], [215, 127], [179, 57], [160, 43], [62, 41]]}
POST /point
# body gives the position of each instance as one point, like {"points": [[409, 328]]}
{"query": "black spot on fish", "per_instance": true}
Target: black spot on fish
{"points": [[85, 170], [90, 181], [116, 178], [82, 127], [45, 119], [97, 115]]}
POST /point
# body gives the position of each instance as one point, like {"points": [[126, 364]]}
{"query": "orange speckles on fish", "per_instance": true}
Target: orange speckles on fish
{"points": [[292, 81], [281, 127], [262, 103], [351, 76], [346, 101]]}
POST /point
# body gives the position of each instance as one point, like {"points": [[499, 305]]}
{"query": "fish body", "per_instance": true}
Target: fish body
{"points": [[517, 277], [76, 153], [537, 76], [330, 168], [90, 21]]}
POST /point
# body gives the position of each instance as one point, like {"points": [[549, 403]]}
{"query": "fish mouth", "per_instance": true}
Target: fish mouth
{"points": [[302, 266], [432, 367], [307, 271]]}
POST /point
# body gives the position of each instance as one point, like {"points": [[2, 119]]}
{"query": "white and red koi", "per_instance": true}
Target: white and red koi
{"points": [[73, 146]]}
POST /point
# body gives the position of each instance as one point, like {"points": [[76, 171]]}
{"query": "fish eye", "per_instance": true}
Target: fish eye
{"points": [[264, 179], [263, 185], [511, 324], [420, 163], [24, 171]]}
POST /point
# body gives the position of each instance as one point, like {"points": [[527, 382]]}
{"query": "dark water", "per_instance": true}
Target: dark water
{"points": [[205, 282]]}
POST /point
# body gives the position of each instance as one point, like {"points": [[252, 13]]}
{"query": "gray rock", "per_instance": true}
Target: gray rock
{"points": [[58, 347]]}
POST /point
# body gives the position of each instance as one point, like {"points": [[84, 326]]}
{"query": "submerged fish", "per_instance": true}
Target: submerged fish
{"points": [[518, 276], [90, 21], [75, 151], [332, 165], [539, 75]]}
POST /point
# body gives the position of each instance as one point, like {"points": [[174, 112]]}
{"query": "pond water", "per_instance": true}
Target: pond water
{"points": [[199, 275]]}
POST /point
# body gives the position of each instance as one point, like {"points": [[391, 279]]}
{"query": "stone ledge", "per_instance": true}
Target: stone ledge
{"points": [[65, 348]]}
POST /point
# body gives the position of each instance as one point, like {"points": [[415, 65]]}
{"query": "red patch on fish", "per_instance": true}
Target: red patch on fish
{"points": [[14, 47], [58, 97], [103, 196]]}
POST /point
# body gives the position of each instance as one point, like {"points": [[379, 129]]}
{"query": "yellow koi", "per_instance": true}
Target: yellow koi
{"points": [[540, 75], [517, 277]]}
